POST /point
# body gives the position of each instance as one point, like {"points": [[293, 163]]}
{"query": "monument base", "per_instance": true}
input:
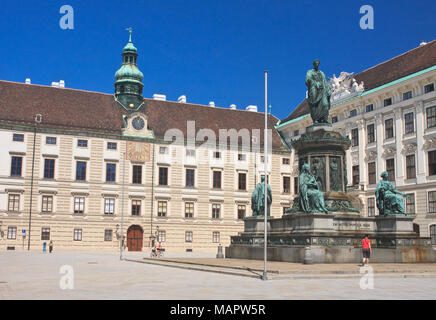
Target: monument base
{"points": [[331, 238]]}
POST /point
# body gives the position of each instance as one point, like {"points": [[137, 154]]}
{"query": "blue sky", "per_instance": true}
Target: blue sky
{"points": [[207, 50]]}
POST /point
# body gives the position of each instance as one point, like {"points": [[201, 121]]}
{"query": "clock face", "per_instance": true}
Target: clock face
{"points": [[138, 123]]}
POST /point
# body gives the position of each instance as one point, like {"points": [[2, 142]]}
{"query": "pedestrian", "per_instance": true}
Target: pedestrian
{"points": [[50, 246], [366, 250], [44, 247]]}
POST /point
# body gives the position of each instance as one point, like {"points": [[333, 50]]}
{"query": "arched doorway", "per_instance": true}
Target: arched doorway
{"points": [[135, 236]]}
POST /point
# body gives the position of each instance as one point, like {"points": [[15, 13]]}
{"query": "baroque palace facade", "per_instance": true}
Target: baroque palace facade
{"points": [[389, 113], [73, 163]]}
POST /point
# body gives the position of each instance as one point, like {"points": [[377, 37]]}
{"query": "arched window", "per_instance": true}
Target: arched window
{"points": [[433, 234]]}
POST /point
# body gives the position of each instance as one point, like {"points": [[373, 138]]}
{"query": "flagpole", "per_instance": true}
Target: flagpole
{"points": [[265, 148]]}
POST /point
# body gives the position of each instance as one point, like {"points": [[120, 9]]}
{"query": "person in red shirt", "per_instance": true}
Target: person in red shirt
{"points": [[366, 250]]}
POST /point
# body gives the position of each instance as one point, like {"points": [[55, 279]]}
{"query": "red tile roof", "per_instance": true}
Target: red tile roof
{"points": [[412, 61], [69, 109]]}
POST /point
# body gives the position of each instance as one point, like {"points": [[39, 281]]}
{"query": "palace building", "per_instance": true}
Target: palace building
{"points": [[82, 168], [79, 167], [389, 113]]}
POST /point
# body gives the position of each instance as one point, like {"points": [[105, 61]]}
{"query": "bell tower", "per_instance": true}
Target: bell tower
{"points": [[128, 84]]}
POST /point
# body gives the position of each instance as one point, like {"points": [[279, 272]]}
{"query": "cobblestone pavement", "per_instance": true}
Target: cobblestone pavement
{"points": [[34, 275]]}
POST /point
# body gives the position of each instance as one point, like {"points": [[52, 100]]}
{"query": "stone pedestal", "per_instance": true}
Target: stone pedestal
{"points": [[395, 226], [256, 224]]}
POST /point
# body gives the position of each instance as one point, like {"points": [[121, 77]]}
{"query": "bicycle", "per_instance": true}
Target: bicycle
{"points": [[159, 254]]}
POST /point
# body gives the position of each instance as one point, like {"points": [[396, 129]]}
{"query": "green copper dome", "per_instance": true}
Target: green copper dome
{"points": [[128, 84]]}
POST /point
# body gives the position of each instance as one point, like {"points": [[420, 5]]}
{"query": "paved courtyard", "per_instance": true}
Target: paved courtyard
{"points": [[34, 275]]}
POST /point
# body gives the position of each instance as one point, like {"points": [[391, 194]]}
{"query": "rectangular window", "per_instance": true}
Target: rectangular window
{"points": [[295, 185], [82, 143], [371, 207], [433, 234], [242, 181], [81, 170], [77, 235], [286, 161], [136, 207], [410, 203], [296, 133], [162, 208], [217, 180], [109, 206], [354, 137], [12, 233], [215, 237], [217, 155], [432, 163], [387, 102], [137, 174], [216, 211], [112, 146], [369, 107], [50, 140], [108, 235], [49, 167], [371, 132], [110, 172], [45, 233], [356, 175], [16, 165], [14, 202], [407, 95], [410, 167], [47, 204], [390, 168], [372, 178], [189, 209], [188, 236], [241, 211], [190, 153], [163, 150], [334, 119], [18, 137], [79, 204], [432, 202], [190, 177], [163, 176], [409, 125], [242, 157], [389, 128], [431, 117], [286, 184], [429, 88], [353, 113], [161, 236]]}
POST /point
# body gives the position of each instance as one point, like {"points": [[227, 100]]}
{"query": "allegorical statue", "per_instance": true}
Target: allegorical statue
{"points": [[319, 92], [388, 201], [311, 198], [258, 199]]}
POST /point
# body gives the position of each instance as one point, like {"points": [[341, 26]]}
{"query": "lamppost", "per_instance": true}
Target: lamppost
{"points": [[38, 119], [265, 148]]}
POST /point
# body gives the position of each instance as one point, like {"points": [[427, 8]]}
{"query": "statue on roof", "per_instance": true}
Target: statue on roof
{"points": [[319, 93]]}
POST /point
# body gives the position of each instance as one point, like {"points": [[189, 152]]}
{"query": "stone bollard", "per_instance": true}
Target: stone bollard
{"points": [[307, 256], [220, 254]]}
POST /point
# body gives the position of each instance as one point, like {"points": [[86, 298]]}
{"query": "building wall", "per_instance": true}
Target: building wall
{"points": [[93, 222]]}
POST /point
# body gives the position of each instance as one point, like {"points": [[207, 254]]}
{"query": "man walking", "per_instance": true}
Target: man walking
{"points": [[50, 246], [366, 250]]}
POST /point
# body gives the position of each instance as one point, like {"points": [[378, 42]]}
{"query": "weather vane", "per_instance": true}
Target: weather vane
{"points": [[130, 33]]}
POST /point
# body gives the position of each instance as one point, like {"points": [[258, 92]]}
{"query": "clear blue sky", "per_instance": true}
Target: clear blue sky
{"points": [[207, 50]]}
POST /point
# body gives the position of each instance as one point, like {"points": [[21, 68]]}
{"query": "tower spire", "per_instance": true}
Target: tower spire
{"points": [[128, 85]]}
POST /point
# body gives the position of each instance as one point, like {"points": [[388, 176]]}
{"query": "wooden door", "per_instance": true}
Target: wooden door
{"points": [[134, 238]]}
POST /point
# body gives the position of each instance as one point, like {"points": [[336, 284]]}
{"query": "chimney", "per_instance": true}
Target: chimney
{"points": [[233, 106], [160, 97], [251, 108], [211, 104], [28, 81], [61, 84], [182, 99], [55, 84]]}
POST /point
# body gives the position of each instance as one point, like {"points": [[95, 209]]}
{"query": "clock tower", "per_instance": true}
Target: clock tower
{"points": [[128, 85]]}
